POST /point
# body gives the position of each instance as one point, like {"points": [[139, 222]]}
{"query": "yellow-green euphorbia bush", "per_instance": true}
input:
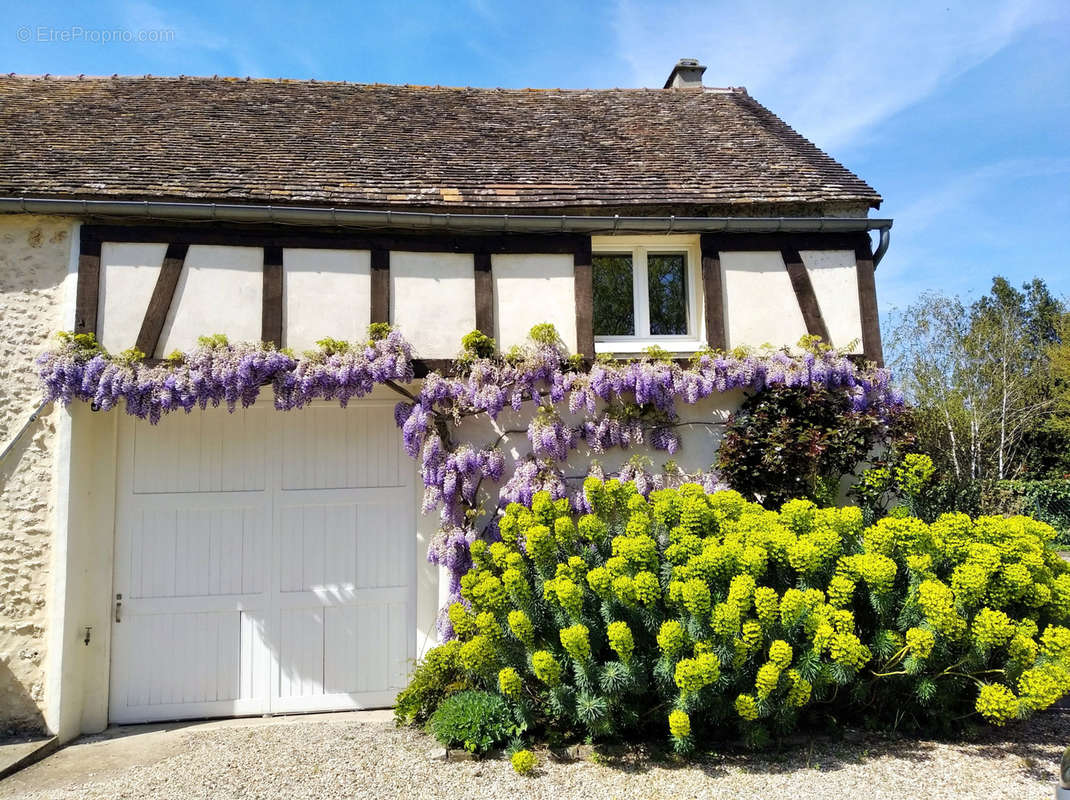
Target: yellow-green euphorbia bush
{"points": [[696, 614]]}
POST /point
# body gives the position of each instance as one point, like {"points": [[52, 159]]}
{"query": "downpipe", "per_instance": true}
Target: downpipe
{"points": [[882, 245]]}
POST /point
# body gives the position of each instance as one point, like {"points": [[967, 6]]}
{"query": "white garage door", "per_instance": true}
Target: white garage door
{"points": [[265, 562]]}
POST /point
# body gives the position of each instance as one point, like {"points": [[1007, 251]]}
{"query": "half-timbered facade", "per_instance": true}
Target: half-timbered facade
{"points": [[270, 562]]}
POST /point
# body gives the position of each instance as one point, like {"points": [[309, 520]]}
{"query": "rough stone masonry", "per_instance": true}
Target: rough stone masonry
{"points": [[34, 257]]}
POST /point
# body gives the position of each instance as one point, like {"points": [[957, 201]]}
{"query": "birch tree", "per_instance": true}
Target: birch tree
{"points": [[979, 376]]}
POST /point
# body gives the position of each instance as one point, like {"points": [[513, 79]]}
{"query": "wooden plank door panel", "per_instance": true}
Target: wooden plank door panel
{"points": [[266, 561]]}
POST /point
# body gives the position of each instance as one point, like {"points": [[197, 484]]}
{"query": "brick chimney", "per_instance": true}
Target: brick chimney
{"points": [[687, 74]]}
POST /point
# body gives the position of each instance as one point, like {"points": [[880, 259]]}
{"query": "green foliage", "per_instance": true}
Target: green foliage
{"points": [[760, 620], [86, 342], [1048, 501], [435, 678], [477, 344], [913, 474], [1044, 500], [988, 381], [130, 356], [904, 479], [545, 334], [524, 762], [214, 340], [474, 720], [330, 347], [789, 442], [656, 353], [378, 331], [1055, 435], [812, 343]]}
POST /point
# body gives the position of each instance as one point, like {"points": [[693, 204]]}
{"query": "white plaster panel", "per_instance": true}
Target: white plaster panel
{"points": [[326, 293], [760, 304], [220, 291], [531, 289], [432, 300], [128, 273], [835, 282]]}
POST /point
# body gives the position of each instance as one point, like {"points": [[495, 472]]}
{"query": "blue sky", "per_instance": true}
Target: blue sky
{"points": [[957, 112]]}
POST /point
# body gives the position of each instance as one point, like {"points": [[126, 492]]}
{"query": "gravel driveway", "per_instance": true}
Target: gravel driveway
{"points": [[350, 756]]}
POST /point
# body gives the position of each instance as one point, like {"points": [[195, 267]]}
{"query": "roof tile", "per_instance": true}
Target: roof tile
{"points": [[360, 145]]}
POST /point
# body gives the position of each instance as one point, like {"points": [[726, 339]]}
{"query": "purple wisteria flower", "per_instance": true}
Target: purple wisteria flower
{"points": [[619, 404], [530, 476], [550, 436], [218, 373]]}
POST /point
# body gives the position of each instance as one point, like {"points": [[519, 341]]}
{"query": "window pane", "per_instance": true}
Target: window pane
{"points": [[667, 284], [614, 314]]}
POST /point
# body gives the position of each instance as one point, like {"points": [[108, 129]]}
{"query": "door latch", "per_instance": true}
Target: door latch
{"points": [[119, 607]]}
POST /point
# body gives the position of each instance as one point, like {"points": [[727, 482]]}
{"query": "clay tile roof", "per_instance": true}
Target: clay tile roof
{"points": [[357, 145]]}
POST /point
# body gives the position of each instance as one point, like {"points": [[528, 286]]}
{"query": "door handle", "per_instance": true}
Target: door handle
{"points": [[119, 607]]}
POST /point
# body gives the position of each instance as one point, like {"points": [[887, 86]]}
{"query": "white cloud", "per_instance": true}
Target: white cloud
{"points": [[832, 70], [963, 189]]}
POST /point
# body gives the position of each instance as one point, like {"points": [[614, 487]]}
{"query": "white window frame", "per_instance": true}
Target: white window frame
{"points": [[639, 247]]}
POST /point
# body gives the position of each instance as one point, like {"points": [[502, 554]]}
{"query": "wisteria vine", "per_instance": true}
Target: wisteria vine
{"points": [[610, 404], [218, 373]]}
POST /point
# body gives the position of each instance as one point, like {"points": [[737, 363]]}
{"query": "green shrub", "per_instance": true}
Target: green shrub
{"points": [[524, 762], [793, 442], [948, 496], [1048, 501], [905, 479], [435, 678], [703, 615], [474, 720], [1045, 500]]}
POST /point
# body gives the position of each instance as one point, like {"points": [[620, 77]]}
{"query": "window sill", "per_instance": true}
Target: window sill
{"points": [[635, 347]]}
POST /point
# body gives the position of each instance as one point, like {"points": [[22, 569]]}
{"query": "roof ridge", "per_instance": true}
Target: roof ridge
{"points": [[231, 79]]}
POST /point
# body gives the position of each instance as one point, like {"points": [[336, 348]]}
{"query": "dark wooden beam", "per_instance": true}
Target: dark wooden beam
{"points": [[281, 236], [380, 311], [584, 290], [87, 295], [148, 338], [867, 304], [804, 293], [713, 297], [271, 318], [484, 293], [422, 366]]}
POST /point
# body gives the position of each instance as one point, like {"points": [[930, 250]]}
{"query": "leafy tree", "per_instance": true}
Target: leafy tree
{"points": [[1056, 433], [980, 377]]}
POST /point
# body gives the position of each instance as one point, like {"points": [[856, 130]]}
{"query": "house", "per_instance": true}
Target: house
{"points": [[266, 562]]}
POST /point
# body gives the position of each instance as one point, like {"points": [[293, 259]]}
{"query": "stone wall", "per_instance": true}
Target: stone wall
{"points": [[34, 259]]}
